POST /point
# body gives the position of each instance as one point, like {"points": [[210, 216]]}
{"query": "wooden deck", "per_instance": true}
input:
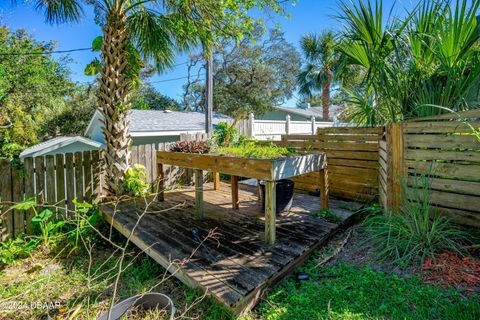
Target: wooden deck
{"points": [[236, 267]]}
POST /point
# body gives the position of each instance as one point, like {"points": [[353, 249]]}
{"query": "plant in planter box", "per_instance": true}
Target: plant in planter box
{"points": [[201, 147]]}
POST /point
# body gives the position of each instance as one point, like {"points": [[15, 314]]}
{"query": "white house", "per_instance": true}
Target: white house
{"points": [[299, 114], [152, 126], [61, 145]]}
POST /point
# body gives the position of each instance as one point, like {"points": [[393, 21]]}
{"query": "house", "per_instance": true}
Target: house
{"points": [[298, 114], [61, 145], [155, 126]]}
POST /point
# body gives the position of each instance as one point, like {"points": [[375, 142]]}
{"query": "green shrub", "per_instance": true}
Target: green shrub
{"points": [[222, 131], [254, 150], [136, 181], [17, 248], [415, 232]]}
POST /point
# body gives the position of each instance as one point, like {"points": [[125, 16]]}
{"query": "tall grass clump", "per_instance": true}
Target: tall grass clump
{"points": [[415, 231]]}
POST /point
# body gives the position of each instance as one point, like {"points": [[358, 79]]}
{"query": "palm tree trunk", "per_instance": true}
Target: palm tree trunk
{"points": [[114, 101], [326, 93]]}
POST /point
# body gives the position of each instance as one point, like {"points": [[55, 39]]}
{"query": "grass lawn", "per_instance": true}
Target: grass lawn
{"points": [[336, 291]]}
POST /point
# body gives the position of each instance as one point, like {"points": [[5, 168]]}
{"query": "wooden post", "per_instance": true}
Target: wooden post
{"points": [[216, 180], [160, 182], [234, 184], [251, 125], [287, 124], [395, 165], [199, 193], [323, 173], [270, 211]]}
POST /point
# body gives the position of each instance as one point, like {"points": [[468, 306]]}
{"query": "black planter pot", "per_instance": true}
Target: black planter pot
{"points": [[284, 189]]}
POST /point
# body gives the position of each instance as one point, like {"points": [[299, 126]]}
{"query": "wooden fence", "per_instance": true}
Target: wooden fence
{"points": [[352, 157], [442, 147], [61, 178]]}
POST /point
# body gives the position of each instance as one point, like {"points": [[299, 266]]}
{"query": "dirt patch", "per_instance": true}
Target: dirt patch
{"points": [[360, 252]]}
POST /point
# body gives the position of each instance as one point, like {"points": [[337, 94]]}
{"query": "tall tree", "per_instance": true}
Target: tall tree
{"points": [[34, 88], [136, 31], [321, 61], [252, 75]]}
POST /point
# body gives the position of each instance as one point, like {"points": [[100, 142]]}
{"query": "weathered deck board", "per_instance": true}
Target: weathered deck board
{"points": [[236, 267]]}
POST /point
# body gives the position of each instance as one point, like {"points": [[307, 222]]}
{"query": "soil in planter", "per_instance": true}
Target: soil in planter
{"points": [[284, 194]]}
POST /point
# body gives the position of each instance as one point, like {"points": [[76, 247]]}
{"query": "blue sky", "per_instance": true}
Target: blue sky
{"points": [[306, 16]]}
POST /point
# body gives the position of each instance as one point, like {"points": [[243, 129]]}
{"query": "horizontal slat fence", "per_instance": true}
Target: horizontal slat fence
{"points": [[352, 158], [449, 152]]}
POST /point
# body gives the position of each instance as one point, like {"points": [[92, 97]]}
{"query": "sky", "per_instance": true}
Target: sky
{"points": [[306, 16]]}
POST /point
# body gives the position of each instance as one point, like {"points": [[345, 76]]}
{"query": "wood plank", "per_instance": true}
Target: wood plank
{"points": [[87, 175], [451, 200], [149, 163], [50, 179], [432, 141], [445, 170], [97, 174], [448, 185], [69, 181], [441, 127], [357, 138], [354, 163], [270, 211], [234, 186], [17, 195], [216, 180], [325, 146], [60, 172], [78, 176], [468, 218], [346, 154], [141, 154], [199, 212], [475, 113], [40, 178], [429, 154], [324, 188], [6, 215], [29, 191], [160, 182], [355, 130]]}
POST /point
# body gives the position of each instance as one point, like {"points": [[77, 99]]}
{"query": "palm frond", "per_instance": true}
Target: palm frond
{"points": [[60, 11]]}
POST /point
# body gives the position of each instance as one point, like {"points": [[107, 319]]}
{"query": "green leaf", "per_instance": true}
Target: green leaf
{"points": [[93, 68], [97, 43], [26, 204]]}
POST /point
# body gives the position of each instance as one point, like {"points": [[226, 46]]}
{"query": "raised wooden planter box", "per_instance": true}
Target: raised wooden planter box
{"points": [[269, 170]]}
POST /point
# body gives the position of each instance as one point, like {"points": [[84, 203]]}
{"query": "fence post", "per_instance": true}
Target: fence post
{"points": [[287, 124], [251, 122], [313, 124], [396, 172]]}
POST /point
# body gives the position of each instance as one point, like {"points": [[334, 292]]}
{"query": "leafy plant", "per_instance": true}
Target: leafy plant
{"points": [[223, 131], [327, 215], [46, 225], [254, 150], [193, 146], [415, 231], [13, 249], [136, 181]]}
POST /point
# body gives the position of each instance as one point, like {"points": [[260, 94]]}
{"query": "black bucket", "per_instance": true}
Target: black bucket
{"points": [[284, 189]]}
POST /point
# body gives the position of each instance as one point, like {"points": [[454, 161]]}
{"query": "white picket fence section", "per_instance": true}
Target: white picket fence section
{"points": [[274, 129]]}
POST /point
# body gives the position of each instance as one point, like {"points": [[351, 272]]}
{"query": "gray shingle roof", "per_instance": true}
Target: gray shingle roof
{"points": [[317, 112], [152, 120], [56, 143]]}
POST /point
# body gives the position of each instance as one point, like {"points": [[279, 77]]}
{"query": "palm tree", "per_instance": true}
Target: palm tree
{"points": [[318, 73], [137, 31]]}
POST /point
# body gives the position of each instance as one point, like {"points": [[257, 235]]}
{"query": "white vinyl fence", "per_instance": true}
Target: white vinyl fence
{"points": [[274, 129]]}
